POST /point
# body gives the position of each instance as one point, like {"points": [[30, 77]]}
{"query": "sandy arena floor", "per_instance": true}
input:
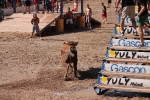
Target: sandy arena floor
{"points": [[32, 70]]}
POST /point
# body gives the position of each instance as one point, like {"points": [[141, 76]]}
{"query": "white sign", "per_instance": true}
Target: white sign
{"points": [[129, 54], [129, 30], [125, 82], [129, 42], [127, 68]]}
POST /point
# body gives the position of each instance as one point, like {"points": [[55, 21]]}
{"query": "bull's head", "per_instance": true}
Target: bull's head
{"points": [[72, 45]]}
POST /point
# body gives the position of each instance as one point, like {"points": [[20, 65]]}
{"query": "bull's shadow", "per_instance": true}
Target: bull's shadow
{"points": [[91, 73]]}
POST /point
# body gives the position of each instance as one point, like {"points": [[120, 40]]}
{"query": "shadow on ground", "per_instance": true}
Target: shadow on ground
{"points": [[126, 94], [92, 73]]}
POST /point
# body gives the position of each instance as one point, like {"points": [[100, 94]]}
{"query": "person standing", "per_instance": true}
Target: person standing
{"points": [[1, 15], [109, 3], [69, 17], [88, 15], [35, 5], [128, 9], [35, 22], [75, 5], [27, 6], [104, 13], [141, 17]]}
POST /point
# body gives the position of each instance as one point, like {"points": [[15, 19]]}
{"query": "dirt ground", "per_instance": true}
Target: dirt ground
{"points": [[32, 70]]}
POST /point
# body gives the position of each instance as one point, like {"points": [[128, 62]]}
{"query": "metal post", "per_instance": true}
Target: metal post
{"points": [[82, 12], [61, 8], [14, 6]]}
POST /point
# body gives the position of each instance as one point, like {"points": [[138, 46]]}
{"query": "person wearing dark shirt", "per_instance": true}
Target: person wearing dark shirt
{"points": [[104, 13], [141, 17], [128, 9]]}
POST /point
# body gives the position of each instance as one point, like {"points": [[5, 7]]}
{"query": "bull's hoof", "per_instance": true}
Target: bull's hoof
{"points": [[67, 79]]}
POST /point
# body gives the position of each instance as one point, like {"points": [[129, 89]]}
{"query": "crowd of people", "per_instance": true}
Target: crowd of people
{"points": [[126, 8]]}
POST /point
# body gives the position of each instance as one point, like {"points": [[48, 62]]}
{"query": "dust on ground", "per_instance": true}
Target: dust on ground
{"points": [[32, 70]]}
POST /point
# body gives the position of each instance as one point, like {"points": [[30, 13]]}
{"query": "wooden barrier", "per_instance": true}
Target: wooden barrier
{"points": [[126, 67]]}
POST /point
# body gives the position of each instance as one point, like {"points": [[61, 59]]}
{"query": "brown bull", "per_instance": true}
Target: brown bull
{"points": [[69, 57]]}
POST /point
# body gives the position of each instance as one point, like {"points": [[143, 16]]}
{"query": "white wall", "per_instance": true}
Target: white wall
{"points": [[20, 10]]}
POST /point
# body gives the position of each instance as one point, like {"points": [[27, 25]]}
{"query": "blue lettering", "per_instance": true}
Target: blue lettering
{"points": [[117, 68], [142, 69], [121, 42], [120, 69], [126, 69], [128, 43], [124, 42], [137, 43], [137, 71], [132, 43]]}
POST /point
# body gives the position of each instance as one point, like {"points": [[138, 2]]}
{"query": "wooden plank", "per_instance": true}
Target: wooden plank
{"points": [[103, 86], [128, 75], [128, 54], [25, 21], [129, 48], [129, 30], [128, 60], [127, 68], [130, 36], [129, 42], [127, 82]]}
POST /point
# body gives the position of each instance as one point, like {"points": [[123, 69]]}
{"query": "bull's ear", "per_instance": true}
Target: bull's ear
{"points": [[76, 43]]}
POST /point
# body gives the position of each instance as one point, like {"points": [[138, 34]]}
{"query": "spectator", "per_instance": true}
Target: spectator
{"points": [[74, 21], [109, 3], [58, 6], [48, 6], [104, 13], [53, 5], [128, 7], [69, 18], [75, 5], [44, 6], [9, 3], [141, 17], [27, 6], [1, 15], [18, 3], [35, 5], [35, 22], [88, 15]]}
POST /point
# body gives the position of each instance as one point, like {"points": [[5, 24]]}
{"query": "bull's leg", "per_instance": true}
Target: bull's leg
{"points": [[67, 69], [75, 69]]}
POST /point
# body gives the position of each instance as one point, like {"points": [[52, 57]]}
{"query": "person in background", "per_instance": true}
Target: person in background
{"points": [[53, 5], [27, 6], [44, 6], [88, 15], [1, 15], [35, 22], [35, 5], [69, 19], [115, 2], [141, 17], [48, 6], [18, 3], [75, 5], [104, 13], [109, 3], [128, 7], [74, 21]]}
